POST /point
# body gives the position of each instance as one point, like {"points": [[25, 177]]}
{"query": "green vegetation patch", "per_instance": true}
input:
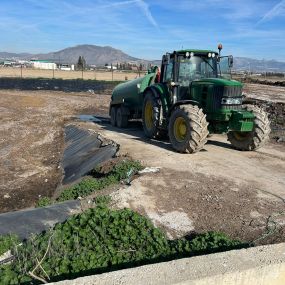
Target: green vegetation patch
{"points": [[44, 201], [7, 242], [98, 180], [101, 240], [121, 171]]}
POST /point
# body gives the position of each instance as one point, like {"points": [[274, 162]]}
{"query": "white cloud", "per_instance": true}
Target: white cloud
{"points": [[141, 4], [277, 10]]}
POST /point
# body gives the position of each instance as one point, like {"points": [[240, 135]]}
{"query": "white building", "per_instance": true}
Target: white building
{"points": [[66, 67], [43, 64]]}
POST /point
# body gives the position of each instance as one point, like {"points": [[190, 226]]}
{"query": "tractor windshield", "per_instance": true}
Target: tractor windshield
{"points": [[196, 67]]}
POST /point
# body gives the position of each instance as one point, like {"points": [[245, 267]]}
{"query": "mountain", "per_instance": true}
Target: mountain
{"points": [[9, 55], [93, 55], [256, 65], [98, 55]]}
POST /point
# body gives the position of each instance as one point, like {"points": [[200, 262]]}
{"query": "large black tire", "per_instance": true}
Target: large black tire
{"points": [[188, 129], [151, 115], [257, 137], [121, 118], [113, 116]]}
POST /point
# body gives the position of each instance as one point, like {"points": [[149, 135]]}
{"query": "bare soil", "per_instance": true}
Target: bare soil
{"points": [[31, 141]]}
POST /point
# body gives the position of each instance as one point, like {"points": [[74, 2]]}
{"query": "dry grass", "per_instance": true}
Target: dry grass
{"points": [[36, 73]]}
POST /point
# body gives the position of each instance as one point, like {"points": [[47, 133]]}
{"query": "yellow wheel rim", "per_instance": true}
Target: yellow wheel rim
{"points": [[148, 115], [240, 136], [180, 129]]}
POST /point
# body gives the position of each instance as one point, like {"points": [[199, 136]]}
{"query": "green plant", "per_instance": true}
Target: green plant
{"points": [[101, 240], [121, 171], [103, 200], [7, 242], [44, 201]]}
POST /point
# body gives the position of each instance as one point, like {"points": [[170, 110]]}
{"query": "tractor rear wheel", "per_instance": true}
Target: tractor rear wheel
{"points": [[257, 137], [113, 116], [121, 118], [150, 115], [188, 129]]}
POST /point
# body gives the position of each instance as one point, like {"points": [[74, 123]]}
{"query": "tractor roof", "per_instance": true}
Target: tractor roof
{"points": [[196, 51]]}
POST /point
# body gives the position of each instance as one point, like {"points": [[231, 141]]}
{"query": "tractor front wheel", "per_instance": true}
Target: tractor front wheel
{"points": [[257, 137], [188, 129]]}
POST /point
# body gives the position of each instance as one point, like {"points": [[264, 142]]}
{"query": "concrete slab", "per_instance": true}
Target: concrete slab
{"points": [[261, 265]]}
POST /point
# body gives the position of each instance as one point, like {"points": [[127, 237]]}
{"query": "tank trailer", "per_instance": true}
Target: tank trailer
{"points": [[191, 96]]}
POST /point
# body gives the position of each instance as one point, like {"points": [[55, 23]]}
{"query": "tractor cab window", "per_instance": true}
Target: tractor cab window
{"points": [[168, 72], [196, 67]]}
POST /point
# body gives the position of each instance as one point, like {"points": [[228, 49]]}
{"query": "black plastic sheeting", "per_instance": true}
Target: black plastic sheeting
{"points": [[25, 222], [84, 151]]}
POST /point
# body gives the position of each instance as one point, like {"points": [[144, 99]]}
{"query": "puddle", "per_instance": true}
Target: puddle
{"points": [[93, 118], [88, 118]]}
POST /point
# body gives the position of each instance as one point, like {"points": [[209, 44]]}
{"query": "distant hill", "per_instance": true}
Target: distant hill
{"points": [[93, 55], [99, 56], [9, 55], [256, 65]]}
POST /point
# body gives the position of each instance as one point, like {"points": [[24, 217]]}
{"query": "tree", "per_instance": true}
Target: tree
{"points": [[81, 63]]}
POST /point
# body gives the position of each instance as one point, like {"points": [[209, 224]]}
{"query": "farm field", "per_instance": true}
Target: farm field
{"points": [[98, 75], [217, 189]]}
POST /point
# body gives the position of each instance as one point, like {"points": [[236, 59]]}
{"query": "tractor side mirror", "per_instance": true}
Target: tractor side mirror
{"points": [[166, 58], [230, 61]]}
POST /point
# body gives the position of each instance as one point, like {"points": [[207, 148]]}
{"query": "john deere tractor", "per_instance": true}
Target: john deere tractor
{"points": [[191, 96]]}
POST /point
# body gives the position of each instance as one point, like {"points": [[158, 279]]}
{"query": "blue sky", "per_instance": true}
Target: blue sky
{"points": [[145, 28]]}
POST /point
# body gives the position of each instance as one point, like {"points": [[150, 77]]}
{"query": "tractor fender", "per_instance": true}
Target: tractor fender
{"points": [[153, 90], [179, 103]]}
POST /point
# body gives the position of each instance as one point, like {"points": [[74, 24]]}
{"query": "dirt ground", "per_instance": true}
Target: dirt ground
{"points": [[31, 141], [265, 92], [219, 188]]}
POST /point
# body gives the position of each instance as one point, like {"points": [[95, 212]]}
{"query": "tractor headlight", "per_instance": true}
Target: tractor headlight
{"points": [[232, 101]]}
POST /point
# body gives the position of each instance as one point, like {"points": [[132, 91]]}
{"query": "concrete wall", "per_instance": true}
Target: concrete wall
{"points": [[263, 265]]}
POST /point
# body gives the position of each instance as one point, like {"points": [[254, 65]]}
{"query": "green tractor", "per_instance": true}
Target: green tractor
{"points": [[192, 97]]}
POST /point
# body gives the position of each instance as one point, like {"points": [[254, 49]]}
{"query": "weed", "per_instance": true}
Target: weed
{"points": [[88, 185], [7, 242], [44, 201]]}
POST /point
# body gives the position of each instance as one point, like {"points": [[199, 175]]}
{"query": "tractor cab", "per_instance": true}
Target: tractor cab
{"points": [[181, 68]]}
